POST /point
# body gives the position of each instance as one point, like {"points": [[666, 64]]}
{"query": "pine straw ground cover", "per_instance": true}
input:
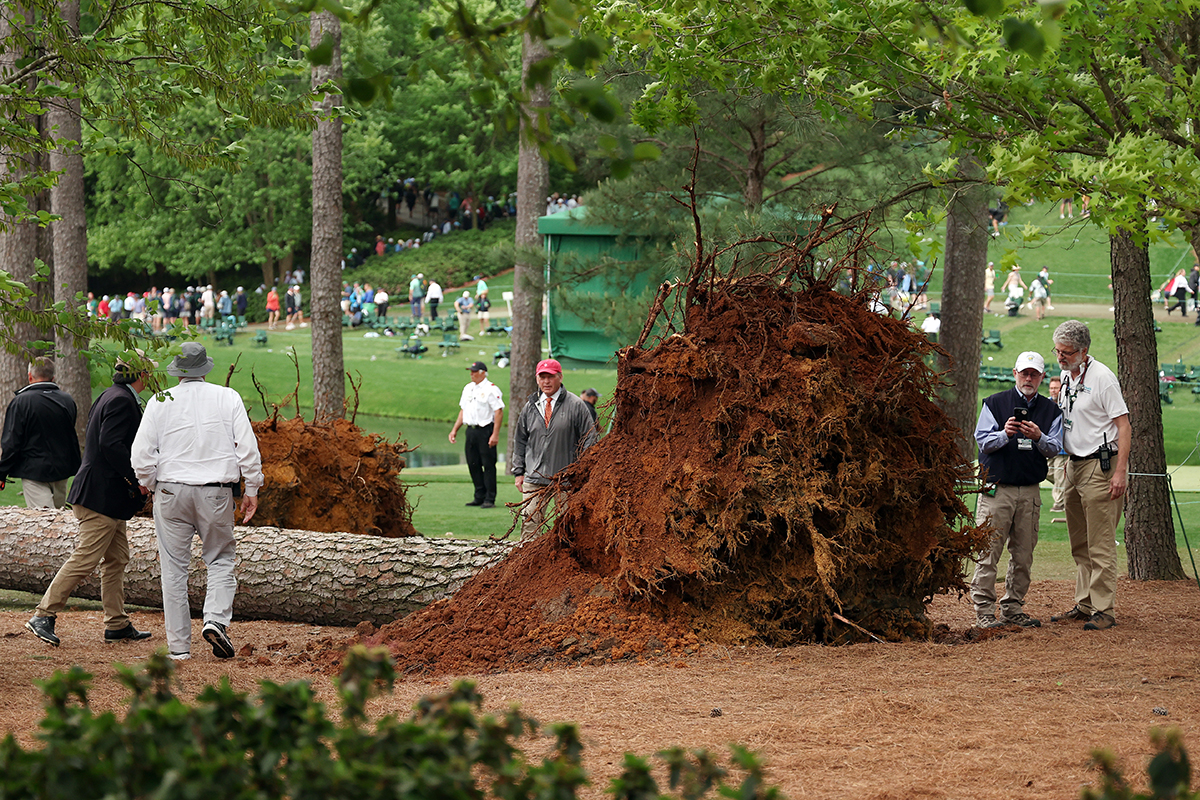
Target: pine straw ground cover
{"points": [[1014, 714]]}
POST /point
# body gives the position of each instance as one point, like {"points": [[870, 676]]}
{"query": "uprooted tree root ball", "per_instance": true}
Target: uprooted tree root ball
{"points": [[332, 477], [777, 473]]}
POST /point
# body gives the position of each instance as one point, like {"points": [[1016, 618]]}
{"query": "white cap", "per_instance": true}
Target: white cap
{"points": [[466, 294], [1030, 359]]}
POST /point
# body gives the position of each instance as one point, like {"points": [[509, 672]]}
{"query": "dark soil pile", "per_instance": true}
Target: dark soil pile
{"points": [[331, 476], [778, 465]]}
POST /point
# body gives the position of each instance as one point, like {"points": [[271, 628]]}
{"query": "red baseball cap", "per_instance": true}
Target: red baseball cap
{"points": [[549, 365]]}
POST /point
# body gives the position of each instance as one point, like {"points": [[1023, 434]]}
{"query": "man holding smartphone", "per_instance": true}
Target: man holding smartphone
{"points": [[1018, 432]]}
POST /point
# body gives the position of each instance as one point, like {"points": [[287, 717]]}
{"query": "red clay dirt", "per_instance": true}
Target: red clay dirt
{"points": [[779, 464], [333, 477]]}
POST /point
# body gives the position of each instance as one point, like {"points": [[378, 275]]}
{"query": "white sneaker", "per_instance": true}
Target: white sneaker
{"points": [[303, 324], [179, 656], [290, 327], [1050, 308]]}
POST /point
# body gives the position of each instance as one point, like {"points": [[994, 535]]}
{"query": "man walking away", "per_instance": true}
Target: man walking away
{"points": [[38, 443], [553, 429], [191, 450], [481, 409], [103, 496], [1097, 439], [1018, 432]]}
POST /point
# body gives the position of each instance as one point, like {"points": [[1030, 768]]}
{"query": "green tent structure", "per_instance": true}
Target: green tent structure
{"points": [[568, 236]]}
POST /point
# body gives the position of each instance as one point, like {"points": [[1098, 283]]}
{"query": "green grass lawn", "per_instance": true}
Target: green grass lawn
{"points": [[1077, 255]]}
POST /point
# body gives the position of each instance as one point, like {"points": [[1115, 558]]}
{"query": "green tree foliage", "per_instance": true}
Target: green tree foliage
{"points": [[135, 65], [281, 743], [149, 212], [1170, 773]]}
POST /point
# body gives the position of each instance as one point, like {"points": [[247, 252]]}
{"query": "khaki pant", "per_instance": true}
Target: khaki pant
{"points": [[1092, 527], [102, 541], [1013, 512], [1058, 475], [538, 509], [44, 495]]}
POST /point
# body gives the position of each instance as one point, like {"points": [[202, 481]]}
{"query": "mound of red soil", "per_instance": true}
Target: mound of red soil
{"points": [[778, 465], [333, 477]]}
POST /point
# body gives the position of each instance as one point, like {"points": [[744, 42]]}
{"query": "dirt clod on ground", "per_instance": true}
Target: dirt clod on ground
{"points": [[778, 464], [331, 476]]}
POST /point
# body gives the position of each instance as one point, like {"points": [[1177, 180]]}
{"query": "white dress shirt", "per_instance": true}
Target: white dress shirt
{"points": [[199, 435]]}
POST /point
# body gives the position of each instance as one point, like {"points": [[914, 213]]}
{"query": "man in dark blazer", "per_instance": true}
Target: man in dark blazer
{"points": [[103, 497]]}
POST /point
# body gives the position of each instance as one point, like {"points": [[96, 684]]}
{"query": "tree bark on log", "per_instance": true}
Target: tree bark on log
{"points": [[290, 575]]}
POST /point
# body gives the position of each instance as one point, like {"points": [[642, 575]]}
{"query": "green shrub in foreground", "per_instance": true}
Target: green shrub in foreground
{"points": [[281, 744], [1170, 773]]}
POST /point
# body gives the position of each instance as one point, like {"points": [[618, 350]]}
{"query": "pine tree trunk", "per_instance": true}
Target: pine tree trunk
{"points": [[70, 237], [20, 239], [329, 385], [962, 302], [1149, 528], [297, 576], [533, 184]]}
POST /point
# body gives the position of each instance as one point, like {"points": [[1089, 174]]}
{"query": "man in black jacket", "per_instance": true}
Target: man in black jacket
{"points": [[104, 495], [38, 444], [1018, 432]]}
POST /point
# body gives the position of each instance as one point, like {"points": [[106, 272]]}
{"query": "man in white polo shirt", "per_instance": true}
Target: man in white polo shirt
{"points": [[481, 409], [1096, 437]]}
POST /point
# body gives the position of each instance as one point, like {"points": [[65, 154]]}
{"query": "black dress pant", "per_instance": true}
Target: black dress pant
{"points": [[481, 462]]}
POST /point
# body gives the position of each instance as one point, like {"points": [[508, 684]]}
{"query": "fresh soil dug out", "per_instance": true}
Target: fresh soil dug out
{"points": [[332, 477], [778, 464]]}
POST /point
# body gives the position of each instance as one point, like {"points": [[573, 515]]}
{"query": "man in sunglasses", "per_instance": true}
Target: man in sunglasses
{"points": [[1096, 437]]}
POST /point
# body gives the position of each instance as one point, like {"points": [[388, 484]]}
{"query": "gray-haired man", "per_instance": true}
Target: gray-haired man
{"points": [[1097, 438]]}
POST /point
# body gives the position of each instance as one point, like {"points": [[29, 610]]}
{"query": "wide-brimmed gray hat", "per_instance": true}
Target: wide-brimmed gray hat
{"points": [[193, 362]]}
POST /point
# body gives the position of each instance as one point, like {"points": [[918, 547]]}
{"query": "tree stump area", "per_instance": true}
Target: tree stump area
{"points": [[292, 575], [779, 471], [331, 476]]}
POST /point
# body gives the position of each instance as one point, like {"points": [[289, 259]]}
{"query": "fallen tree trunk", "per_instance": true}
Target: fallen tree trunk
{"points": [[297, 576]]}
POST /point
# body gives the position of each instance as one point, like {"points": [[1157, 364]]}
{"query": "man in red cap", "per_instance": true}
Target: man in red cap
{"points": [[551, 431]]}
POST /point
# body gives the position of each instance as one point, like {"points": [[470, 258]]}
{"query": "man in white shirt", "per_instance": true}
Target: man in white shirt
{"points": [[1097, 437], [191, 449], [481, 409]]}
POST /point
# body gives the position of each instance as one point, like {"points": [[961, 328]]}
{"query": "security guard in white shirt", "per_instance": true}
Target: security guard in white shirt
{"points": [[481, 409]]}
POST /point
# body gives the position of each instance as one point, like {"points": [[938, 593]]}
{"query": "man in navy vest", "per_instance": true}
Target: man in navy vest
{"points": [[1018, 432]]}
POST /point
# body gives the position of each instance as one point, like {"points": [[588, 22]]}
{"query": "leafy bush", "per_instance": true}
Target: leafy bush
{"points": [[1170, 773], [281, 744]]}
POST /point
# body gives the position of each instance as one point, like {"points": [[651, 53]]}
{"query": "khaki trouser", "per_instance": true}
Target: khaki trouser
{"points": [[1092, 527], [102, 541], [180, 513], [1013, 512], [538, 509], [1058, 474], [39, 494]]}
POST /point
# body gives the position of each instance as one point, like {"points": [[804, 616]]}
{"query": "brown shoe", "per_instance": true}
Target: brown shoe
{"points": [[1100, 622], [1074, 615]]}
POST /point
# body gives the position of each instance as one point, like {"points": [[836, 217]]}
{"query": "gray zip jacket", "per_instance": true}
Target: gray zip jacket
{"points": [[540, 452]]}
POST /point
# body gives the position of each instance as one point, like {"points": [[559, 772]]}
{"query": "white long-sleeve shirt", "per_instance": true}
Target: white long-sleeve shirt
{"points": [[199, 435]]}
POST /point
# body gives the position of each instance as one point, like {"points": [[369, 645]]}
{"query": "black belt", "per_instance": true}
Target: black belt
{"points": [[490, 424], [1088, 457]]}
